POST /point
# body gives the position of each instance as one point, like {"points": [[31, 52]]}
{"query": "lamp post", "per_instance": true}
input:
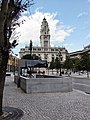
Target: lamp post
{"points": [[15, 62], [60, 57], [30, 48], [14, 65]]}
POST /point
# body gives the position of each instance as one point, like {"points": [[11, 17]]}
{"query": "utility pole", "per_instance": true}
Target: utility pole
{"points": [[60, 57], [14, 65], [30, 48]]}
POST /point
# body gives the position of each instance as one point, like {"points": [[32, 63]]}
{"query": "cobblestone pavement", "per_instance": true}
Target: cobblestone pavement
{"points": [[47, 106]]}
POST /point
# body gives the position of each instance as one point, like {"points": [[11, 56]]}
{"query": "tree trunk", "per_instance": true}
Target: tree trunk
{"points": [[2, 81], [1, 98], [3, 50], [1, 92], [3, 67], [87, 74], [52, 71]]}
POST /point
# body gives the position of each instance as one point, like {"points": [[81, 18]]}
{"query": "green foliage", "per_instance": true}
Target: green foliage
{"points": [[68, 64], [32, 57], [77, 64], [10, 11], [57, 63], [85, 61], [52, 66]]}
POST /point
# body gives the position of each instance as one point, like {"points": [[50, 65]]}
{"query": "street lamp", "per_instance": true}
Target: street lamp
{"points": [[30, 48], [60, 58], [15, 63]]}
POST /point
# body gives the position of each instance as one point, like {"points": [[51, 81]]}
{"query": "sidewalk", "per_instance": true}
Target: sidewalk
{"points": [[47, 106], [72, 74]]}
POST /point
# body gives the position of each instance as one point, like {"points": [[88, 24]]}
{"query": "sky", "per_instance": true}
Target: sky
{"points": [[68, 20]]}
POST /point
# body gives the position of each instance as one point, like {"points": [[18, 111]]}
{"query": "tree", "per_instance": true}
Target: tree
{"points": [[68, 64], [77, 64], [57, 64], [10, 11], [52, 66], [85, 62], [33, 57]]}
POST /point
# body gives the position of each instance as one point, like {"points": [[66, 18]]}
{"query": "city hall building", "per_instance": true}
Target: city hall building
{"points": [[45, 51]]}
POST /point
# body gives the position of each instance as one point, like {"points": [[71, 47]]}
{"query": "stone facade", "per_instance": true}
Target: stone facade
{"points": [[45, 51], [78, 54], [12, 63]]}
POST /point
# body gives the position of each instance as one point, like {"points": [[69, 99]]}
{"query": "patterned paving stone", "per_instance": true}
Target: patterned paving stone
{"points": [[73, 105]]}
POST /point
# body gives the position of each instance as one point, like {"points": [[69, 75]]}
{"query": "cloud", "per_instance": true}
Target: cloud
{"points": [[88, 36], [82, 14], [30, 30], [61, 34], [68, 46]]}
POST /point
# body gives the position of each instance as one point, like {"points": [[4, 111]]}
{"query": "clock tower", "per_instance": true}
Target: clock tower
{"points": [[45, 35]]}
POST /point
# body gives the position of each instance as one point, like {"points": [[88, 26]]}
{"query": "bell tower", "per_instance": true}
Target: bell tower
{"points": [[45, 35]]}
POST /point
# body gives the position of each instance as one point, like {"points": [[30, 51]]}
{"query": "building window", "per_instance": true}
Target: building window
{"points": [[52, 58], [39, 49], [22, 49], [38, 54], [60, 49], [57, 55], [61, 59], [34, 49], [26, 49], [52, 49]]}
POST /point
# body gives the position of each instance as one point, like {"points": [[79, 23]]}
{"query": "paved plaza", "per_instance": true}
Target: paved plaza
{"points": [[73, 105]]}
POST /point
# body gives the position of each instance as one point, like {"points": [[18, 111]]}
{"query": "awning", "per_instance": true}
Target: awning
{"points": [[33, 63]]}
